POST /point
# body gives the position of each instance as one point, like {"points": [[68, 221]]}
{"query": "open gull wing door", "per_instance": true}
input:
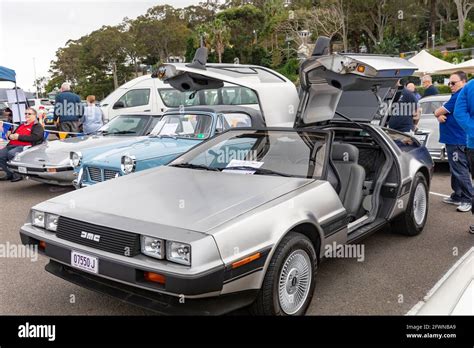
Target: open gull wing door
{"points": [[352, 84], [277, 96]]}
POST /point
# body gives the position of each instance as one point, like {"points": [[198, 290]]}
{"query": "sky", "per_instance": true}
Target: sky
{"points": [[31, 31]]}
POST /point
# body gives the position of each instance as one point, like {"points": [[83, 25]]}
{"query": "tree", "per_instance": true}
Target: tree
{"points": [[467, 39], [219, 36], [463, 8], [330, 19]]}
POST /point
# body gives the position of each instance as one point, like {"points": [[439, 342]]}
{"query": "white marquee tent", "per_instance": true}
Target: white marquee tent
{"points": [[467, 67], [429, 64]]}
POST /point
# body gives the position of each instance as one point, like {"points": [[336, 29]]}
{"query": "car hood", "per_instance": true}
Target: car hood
{"points": [[56, 153], [181, 198], [143, 150]]}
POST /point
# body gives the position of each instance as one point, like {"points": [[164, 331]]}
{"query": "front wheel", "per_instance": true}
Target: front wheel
{"points": [[413, 220], [290, 279]]}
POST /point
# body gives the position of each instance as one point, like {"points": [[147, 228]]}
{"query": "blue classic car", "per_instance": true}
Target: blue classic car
{"points": [[50, 163], [177, 132]]}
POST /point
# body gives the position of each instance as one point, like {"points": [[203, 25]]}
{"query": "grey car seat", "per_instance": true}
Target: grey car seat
{"points": [[351, 176]]}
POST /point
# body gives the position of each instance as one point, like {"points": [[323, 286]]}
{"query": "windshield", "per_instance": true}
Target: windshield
{"points": [[126, 125], [267, 152], [193, 126]]}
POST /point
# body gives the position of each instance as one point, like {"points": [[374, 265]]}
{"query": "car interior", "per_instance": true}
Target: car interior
{"points": [[357, 160]]}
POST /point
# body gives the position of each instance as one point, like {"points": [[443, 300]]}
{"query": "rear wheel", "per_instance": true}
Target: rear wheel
{"points": [[413, 220], [290, 279]]}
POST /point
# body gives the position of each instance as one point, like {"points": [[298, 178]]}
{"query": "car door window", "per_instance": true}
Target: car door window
{"points": [[233, 120], [136, 97], [174, 99]]}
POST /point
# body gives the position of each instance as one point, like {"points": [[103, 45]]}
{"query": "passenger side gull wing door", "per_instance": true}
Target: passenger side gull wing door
{"points": [[352, 84], [277, 96]]}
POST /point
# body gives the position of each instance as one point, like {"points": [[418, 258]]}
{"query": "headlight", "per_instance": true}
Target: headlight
{"points": [[37, 218], [178, 252], [75, 159], [153, 247], [128, 164], [52, 222]]}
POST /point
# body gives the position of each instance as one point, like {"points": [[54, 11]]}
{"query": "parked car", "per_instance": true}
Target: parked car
{"points": [[148, 94], [44, 102], [49, 162], [453, 294], [429, 124], [176, 133], [198, 236]]}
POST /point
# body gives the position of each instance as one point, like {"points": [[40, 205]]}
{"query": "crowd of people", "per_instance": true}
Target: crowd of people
{"points": [[70, 116], [456, 129]]}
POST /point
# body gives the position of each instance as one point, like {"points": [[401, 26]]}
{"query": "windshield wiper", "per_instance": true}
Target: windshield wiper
{"points": [[121, 132], [194, 166], [159, 136], [258, 170]]}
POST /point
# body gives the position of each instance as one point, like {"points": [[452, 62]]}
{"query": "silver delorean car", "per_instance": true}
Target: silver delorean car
{"points": [[244, 218]]}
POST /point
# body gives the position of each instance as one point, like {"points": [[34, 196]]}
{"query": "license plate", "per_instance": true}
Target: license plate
{"points": [[84, 262], [22, 170]]}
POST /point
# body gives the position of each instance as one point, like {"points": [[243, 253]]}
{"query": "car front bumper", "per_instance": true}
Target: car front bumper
{"points": [[156, 302], [438, 155], [123, 278], [62, 176]]}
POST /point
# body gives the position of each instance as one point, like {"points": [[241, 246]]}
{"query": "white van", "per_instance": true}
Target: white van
{"points": [[147, 94]]}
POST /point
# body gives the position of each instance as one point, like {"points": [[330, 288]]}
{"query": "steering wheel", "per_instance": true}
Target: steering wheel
{"points": [[113, 130]]}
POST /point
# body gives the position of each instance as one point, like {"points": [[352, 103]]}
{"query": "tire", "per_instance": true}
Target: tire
{"points": [[295, 252], [413, 220]]}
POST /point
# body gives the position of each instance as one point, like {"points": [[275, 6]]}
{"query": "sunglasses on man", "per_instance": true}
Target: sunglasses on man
{"points": [[28, 113], [453, 83]]}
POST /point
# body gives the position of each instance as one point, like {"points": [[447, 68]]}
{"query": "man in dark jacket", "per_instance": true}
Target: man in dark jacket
{"points": [[404, 112], [67, 110], [30, 133], [430, 89]]}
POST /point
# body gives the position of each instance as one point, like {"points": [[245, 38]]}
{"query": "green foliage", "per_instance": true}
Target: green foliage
{"points": [[253, 31], [467, 40], [442, 89], [290, 69]]}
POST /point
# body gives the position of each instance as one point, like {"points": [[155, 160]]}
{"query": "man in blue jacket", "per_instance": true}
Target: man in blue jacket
{"points": [[453, 135], [68, 110], [465, 117]]}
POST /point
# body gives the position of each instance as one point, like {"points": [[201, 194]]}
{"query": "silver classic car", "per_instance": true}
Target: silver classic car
{"points": [[246, 217]]}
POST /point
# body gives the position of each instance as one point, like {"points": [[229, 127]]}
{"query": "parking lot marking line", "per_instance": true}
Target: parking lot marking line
{"points": [[439, 194]]}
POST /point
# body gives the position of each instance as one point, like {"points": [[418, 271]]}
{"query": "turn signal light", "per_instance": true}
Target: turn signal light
{"points": [[246, 260], [42, 245], [361, 68], [51, 170], [155, 277]]}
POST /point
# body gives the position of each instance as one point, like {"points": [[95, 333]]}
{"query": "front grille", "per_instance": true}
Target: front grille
{"points": [[95, 174], [99, 175], [110, 174], [111, 240]]}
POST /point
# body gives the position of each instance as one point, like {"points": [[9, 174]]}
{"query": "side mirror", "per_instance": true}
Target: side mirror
{"points": [[119, 105]]}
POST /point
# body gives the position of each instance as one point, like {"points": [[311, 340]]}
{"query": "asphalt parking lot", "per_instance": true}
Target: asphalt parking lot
{"points": [[396, 273]]}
